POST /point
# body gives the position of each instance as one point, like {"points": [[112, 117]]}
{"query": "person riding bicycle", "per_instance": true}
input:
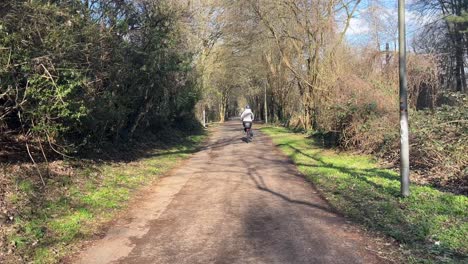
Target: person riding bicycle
{"points": [[247, 118]]}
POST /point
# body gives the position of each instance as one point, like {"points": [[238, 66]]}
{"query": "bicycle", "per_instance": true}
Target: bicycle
{"points": [[248, 131]]}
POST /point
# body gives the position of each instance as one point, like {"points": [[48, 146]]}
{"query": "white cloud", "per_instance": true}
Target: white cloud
{"points": [[358, 26]]}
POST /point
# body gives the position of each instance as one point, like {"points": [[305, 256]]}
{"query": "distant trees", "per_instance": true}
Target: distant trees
{"points": [[446, 36], [307, 37], [299, 51], [290, 46], [76, 72]]}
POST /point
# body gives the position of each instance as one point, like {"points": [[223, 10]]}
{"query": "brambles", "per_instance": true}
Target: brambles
{"points": [[74, 75]]}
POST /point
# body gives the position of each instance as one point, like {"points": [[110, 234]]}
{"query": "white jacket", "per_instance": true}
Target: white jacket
{"points": [[247, 116]]}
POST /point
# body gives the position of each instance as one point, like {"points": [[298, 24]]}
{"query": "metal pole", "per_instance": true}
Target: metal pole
{"points": [[404, 141], [266, 111]]}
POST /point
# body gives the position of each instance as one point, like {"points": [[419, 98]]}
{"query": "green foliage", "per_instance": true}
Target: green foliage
{"points": [[78, 74], [460, 19], [54, 107], [431, 223]]}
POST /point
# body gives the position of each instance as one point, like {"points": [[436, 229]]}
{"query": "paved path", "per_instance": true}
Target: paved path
{"points": [[232, 202]]}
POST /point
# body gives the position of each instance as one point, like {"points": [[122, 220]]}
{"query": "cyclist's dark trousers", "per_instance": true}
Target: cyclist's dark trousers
{"points": [[247, 124]]}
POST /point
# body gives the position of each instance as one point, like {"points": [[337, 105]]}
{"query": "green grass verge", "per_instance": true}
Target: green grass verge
{"points": [[73, 208], [431, 225]]}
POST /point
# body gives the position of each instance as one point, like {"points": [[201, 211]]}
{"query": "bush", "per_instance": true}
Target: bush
{"points": [[364, 118], [75, 81], [439, 143], [438, 140]]}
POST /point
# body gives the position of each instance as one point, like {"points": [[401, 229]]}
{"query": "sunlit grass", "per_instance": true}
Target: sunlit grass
{"points": [[433, 224], [92, 197]]}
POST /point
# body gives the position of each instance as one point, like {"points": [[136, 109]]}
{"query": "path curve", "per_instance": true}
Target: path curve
{"points": [[232, 202]]}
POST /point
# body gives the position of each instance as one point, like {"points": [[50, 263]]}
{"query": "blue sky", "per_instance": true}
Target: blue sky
{"points": [[363, 26]]}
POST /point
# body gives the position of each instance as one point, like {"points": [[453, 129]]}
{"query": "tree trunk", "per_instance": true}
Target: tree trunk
{"points": [[460, 63], [222, 112]]}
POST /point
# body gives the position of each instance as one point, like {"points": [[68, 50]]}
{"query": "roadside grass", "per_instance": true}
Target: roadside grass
{"points": [[431, 226], [74, 207]]}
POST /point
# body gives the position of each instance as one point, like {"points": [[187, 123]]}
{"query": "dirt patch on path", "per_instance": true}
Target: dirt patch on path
{"points": [[233, 202]]}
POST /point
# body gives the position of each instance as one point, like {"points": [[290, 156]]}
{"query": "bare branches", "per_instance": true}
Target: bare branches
{"points": [[35, 164]]}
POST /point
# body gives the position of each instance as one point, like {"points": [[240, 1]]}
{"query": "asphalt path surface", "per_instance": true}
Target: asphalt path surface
{"points": [[232, 202]]}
